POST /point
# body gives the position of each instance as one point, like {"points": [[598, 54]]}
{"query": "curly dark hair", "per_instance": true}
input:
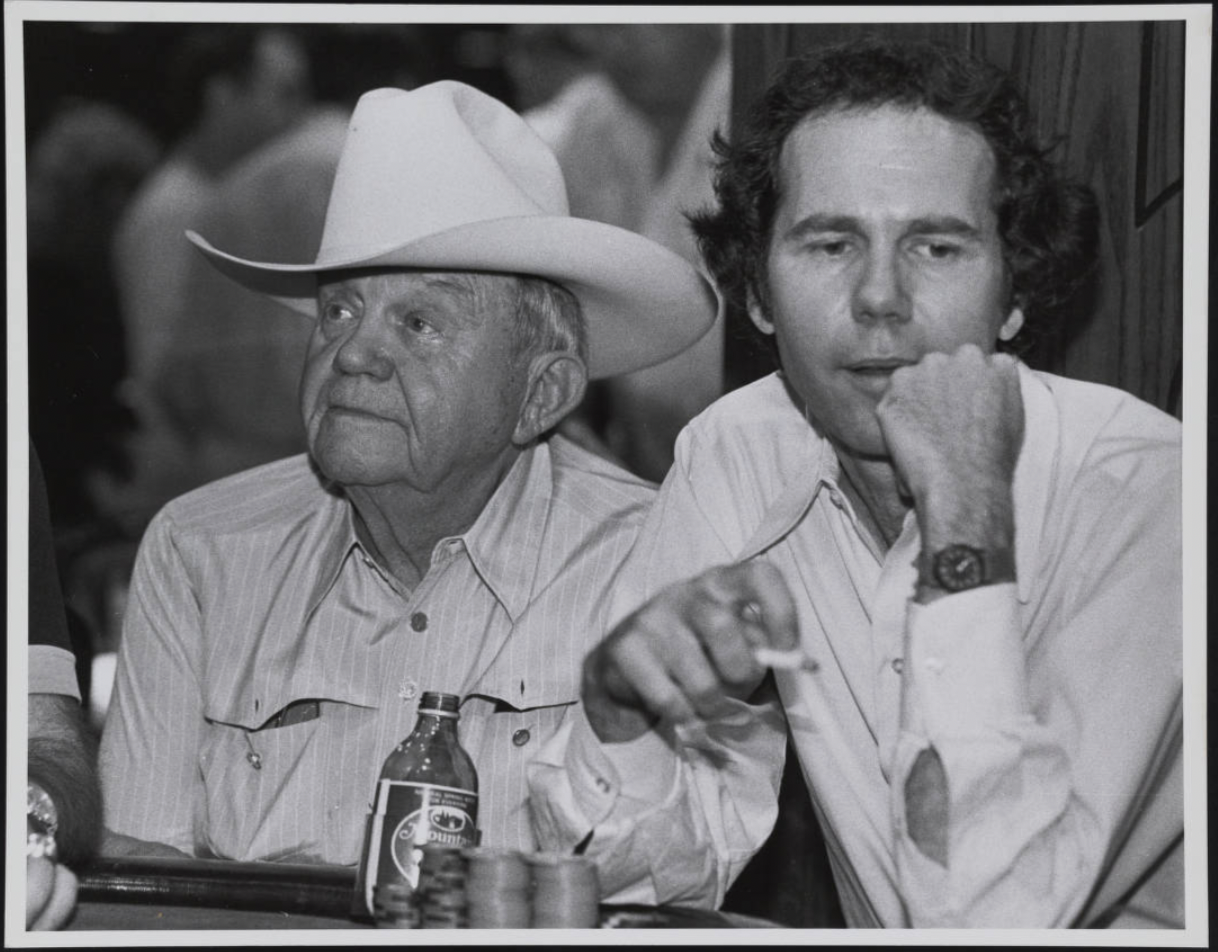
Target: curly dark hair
{"points": [[1049, 227]]}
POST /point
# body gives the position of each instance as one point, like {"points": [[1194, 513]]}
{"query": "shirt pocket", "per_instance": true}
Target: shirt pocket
{"points": [[264, 792]]}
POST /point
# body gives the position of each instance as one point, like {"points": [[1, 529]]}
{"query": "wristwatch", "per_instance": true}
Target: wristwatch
{"points": [[957, 568], [41, 822]]}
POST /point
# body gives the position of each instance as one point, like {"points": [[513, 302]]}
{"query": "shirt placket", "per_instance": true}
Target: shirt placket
{"points": [[889, 611], [402, 681]]}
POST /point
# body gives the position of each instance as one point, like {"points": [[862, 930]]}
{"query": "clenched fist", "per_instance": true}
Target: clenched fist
{"points": [[953, 424]]}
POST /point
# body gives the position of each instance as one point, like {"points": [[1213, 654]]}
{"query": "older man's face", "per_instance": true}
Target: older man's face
{"points": [[410, 378], [885, 248]]}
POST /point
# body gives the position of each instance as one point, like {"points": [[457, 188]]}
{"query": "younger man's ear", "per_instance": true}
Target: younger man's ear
{"points": [[1012, 325], [557, 382], [758, 316]]}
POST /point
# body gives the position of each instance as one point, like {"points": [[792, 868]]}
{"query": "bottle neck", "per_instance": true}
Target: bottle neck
{"points": [[436, 722]]}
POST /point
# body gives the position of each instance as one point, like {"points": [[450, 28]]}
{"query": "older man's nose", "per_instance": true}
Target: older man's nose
{"points": [[364, 352], [881, 291]]}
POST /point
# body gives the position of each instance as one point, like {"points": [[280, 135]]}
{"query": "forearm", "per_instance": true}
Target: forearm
{"points": [[62, 760]]}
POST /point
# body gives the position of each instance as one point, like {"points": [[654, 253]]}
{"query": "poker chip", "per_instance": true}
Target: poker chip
{"points": [[498, 887], [442, 898], [566, 892], [395, 906], [492, 888]]}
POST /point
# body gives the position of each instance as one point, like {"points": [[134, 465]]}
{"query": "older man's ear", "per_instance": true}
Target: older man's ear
{"points": [[557, 382]]}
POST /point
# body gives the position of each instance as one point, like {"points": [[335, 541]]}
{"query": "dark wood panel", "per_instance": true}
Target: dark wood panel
{"points": [[1163, 110], [1093, 89]]}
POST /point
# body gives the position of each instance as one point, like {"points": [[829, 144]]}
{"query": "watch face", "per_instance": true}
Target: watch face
{"points": [[959, 567]]}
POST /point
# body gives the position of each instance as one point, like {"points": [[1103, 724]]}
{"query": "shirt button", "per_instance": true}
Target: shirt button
{"points": [[521, 737], [418, 621], [898, 665]]}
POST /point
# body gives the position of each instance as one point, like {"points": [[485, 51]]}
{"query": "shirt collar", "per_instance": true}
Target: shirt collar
{"points": [[815, 464], [1034, 474], [334, 544], [818, 466], [504, 543]]}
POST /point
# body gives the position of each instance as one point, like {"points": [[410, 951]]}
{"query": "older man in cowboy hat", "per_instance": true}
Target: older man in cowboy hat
{"points": [[284, 622]]}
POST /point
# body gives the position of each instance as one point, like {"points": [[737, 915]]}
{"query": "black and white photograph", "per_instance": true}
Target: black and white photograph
{"points": [[733, 473]]}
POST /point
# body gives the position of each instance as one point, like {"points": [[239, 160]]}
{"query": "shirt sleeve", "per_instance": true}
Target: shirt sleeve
{"points": [[1051, 731], [673, 817], [150, 745], [53, 671]]}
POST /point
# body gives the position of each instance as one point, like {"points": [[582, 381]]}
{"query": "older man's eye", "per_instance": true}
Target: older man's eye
{"points": [[417, 323], [333, 312]]}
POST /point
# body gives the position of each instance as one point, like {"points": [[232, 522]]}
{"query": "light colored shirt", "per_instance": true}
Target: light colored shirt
{"points": [[254, 592], [1054, 702]]}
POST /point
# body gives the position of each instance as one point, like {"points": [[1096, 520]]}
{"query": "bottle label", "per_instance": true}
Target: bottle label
{"points": [[408, 816]]}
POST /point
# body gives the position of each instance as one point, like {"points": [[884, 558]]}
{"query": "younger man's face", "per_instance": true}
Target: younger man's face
{"points": [[885, 247]]}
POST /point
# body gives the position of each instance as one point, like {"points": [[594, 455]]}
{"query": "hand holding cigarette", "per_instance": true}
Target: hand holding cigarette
{"points": [[692, 651]]}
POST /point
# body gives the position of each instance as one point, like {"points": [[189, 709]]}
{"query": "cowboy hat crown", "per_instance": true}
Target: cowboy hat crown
{"points": [[445, 177]]}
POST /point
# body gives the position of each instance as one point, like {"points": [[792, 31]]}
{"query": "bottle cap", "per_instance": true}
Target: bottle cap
{"points": [[439, 702]]}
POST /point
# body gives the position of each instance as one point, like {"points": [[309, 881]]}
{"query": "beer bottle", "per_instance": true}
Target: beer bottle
{"points": [[427, 793]]}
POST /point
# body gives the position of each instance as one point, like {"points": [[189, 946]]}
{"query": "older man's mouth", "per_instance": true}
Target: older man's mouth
{"points": [[356, 413]]}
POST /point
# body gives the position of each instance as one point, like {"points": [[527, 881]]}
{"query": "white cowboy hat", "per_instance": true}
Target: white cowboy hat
{"points": [[448, 178]]}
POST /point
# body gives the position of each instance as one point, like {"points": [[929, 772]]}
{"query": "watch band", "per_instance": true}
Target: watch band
{"points": [[958, 567]]}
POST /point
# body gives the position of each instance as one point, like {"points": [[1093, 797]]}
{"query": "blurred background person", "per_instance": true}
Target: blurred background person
{"points": [[63, 800], [541, 60], [233, 87], [632, 131], [82, 169], [83, 166], [227, 374]]}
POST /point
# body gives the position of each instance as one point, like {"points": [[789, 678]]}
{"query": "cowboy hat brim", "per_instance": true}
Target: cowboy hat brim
{"points": [[642, 303]]}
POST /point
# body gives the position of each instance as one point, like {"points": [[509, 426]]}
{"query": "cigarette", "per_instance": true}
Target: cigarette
{"points": [[792, 659]]}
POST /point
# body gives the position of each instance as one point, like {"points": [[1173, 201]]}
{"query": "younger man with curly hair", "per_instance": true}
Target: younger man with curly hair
{"points": [[983, 560]]}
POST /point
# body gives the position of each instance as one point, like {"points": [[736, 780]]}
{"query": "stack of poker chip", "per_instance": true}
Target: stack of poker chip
{"points": [[441, 893], [497, 885], [395, 906], [565, 892]]}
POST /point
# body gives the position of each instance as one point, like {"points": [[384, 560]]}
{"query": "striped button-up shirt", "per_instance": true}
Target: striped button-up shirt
{"points": [[254, 593]]}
